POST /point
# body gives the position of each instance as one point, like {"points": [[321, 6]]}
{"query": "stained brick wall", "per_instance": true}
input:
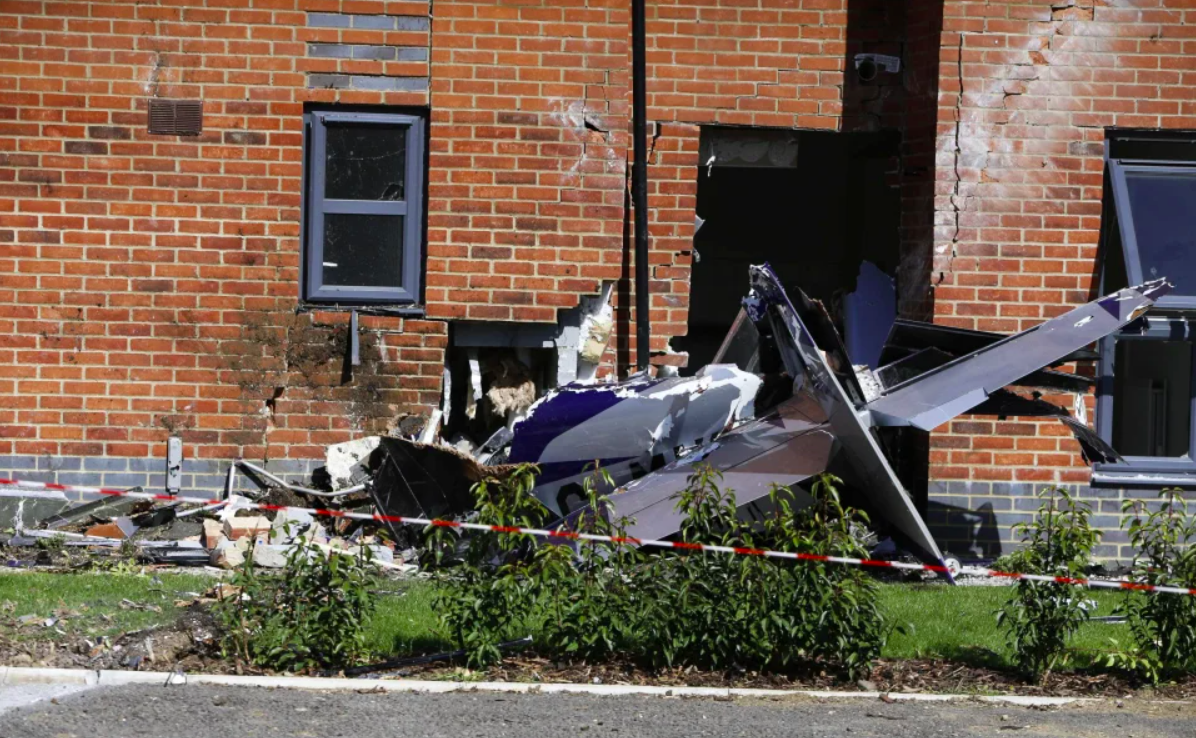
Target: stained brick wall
{"points": [[1027, 91], [149, 284], [530, 139]]}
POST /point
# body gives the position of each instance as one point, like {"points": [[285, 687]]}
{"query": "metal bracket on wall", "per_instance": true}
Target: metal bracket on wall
{"points": [[354, 341], [174, 465]]}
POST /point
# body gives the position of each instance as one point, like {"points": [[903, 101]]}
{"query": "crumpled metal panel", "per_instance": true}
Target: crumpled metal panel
{"points": [[628, 428], [786, 447], [817, 429], [860, 461], [931, 399]]}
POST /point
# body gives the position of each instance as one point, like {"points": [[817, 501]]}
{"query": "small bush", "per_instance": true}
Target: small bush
{"points": [[828, 613], [1041, 616], [586, 599], [482, 600], [311, 615], [1163, 626], [708, 610], [717, 611]]}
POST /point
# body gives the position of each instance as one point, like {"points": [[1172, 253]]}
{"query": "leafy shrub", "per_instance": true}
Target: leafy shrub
{"points": [[311, 615], [1163, 626], [487, 596], [719, 611], [586, 599], [1042, 616], [708, 610], [825, 612]]}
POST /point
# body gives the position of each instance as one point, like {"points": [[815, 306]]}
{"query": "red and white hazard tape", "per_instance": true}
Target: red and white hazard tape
{"points": [[624, 540]]}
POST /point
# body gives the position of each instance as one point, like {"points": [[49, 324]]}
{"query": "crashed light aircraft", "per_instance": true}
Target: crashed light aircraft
{"points": [[781, 404]]}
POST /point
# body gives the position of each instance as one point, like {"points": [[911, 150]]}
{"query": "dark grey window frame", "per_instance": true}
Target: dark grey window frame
{"points": [[1152, 327], [316, 206], [1118, 168], [1173, 318]]}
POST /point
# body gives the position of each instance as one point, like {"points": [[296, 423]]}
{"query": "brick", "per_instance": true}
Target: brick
{"points": [[383, 22], [332, 81], [246, 527], [332, 51], [329, 20], [213, 533]]}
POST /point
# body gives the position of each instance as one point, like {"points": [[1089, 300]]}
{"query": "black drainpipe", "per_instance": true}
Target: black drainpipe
{"points": [[639, 179]]}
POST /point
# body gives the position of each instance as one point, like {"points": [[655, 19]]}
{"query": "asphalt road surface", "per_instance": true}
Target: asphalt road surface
{"points": [[247, 712]]}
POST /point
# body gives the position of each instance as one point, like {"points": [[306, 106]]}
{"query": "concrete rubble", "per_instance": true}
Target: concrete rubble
{"points": [[227, 532], [782, 402]]}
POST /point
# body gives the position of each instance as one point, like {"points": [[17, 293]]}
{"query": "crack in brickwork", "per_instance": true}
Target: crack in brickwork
{"points": [[1021, 183]]}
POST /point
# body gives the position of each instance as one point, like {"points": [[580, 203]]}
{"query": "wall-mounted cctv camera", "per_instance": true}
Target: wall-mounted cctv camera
{"points": [[867, 66]]}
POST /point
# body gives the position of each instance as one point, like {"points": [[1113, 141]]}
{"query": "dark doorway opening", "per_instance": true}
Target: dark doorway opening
{"points": [[824, 209]]}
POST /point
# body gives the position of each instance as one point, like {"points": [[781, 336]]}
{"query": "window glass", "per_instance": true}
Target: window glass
{"points": [[1152, 398], [365, 162], [741, 347], [363, 250], [1164, 210]]}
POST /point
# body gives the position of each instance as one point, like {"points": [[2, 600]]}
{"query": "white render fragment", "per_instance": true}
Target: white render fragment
{"points": [[868, 382], [431, 430], [475, 385], [343, 461], [595, 332]]}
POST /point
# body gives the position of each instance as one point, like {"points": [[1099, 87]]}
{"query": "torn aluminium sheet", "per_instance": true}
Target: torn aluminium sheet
{"points": [[932, 398], [628, 429], [816, 429], [782, 403], [829, 422]]}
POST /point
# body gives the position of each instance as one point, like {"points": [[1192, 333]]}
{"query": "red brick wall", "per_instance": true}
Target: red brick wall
{"points": [[1028, 89], [149, 283], [768, 63], [529, 139]]}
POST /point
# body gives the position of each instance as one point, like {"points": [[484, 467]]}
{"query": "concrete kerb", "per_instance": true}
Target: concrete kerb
{"points": [[14, 675]]}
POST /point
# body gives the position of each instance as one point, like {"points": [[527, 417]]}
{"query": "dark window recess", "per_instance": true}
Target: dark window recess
{"points": [[1152, 398], [364, 217], [176, 117], [1146, 400]]}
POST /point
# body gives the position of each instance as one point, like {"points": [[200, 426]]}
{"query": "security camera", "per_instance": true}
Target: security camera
{"points": [[867, 66]]}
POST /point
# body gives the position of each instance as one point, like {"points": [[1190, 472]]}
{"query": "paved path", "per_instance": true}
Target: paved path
{"points": [[247, 712]]}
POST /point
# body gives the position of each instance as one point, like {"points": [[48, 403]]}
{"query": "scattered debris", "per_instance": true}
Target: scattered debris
{"points": [[781, 403], [346, 463], [130, 605], [119, 528]]}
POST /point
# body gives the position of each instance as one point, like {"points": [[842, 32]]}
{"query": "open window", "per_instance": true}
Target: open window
{"points": [[364, 207], [1147, 390]]}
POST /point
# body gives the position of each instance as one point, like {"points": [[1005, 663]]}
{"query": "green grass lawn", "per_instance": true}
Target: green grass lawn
{"points": [[960, 623], [956, 623], [406, 623], [94, 598]]}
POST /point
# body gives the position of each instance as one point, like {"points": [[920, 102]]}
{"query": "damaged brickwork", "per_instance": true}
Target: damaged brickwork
{"points": [[1028, 90], [1027, 93], [149, 284]]}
